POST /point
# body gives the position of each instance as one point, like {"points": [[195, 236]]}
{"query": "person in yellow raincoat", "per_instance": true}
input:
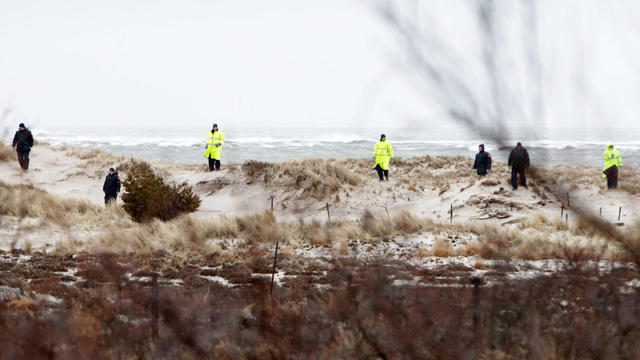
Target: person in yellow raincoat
{"points": [[215, 139], [382, 153], [612, 161]]}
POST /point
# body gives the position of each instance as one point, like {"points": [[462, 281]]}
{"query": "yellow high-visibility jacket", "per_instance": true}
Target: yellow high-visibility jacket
{"points": [[611, 157], [213, 139], [383, 151]]}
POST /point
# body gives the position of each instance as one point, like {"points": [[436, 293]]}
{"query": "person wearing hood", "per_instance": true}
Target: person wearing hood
{"points": [[382, 153], [215, 139], [22, 143], [483, 161], [111, 186], [519, 161], [612, 161]]}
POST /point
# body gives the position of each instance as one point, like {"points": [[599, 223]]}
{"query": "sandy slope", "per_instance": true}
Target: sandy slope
{"points": [[80, 174], [62, 173]]}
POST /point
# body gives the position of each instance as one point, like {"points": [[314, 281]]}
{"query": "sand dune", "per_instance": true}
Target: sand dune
{"points": [[425, 187], [421, 189]]}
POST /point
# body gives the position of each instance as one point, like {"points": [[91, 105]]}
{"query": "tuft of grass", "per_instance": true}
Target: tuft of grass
{"points": [[22, 305], [6, 153], [318, 178], [442, 248], [28, 201], [629, 180]]}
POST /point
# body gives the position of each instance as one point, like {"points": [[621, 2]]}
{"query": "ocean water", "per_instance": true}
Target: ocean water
{"points": [[558, 146]]}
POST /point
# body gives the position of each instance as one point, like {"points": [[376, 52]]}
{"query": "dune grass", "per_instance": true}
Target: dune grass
{"points": [[26, 201], [629, 180], [318, 178], [6, 153], [536, 239]]}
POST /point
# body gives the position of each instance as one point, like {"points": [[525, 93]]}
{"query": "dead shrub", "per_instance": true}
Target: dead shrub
{"points": [[147, 196], [442, 248], [471, 249]]}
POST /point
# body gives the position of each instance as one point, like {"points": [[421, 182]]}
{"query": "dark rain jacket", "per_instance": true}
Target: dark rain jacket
{"points": [[23, 141], [483, 162], [518, 158], [111, 184]]}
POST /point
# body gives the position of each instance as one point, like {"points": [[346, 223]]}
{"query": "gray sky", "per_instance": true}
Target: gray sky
{"points": [[286, 62], [168, 63]]}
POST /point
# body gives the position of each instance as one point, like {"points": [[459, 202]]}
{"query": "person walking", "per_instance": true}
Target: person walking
{"points": [[22, 143], [519, 161], [382, 153], [215, 139], [483, 161], [612, 161], [111, 187]]}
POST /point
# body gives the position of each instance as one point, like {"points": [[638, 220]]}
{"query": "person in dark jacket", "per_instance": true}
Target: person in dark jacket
{"points": [[111, 186], [483, 161], [519, 161], [22, 143]]}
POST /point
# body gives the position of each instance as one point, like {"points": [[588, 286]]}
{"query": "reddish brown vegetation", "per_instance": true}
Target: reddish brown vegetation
{"points": [[360, 313]]}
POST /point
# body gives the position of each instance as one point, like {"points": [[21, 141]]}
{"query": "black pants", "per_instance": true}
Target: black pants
{"points": [[214, 164], [612, 177], [109, 198], [514, 177], [23, 159], [382, 173]]}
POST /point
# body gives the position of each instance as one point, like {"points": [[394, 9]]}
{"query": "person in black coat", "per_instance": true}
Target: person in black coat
{"points": [[483, 161], [111, 186], [519, 161], [22, 143]]}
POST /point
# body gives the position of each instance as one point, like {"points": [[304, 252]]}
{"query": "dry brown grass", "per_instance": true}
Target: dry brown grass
{"points": [[564, 174], [544, 238], [322, 177], [442, 248], [184, 235], [23, 305], [360, 312], [187, 234], [629, 180], [530, 240], [318, 178], [6, 153], [28, 201], [232, 237], [96, 158]]}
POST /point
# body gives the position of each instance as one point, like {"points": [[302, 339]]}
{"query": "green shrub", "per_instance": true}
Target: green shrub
{"points": [[147, 196]]}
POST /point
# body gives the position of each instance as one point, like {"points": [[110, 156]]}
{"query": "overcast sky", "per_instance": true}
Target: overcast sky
{"points": [[329, 63]]}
